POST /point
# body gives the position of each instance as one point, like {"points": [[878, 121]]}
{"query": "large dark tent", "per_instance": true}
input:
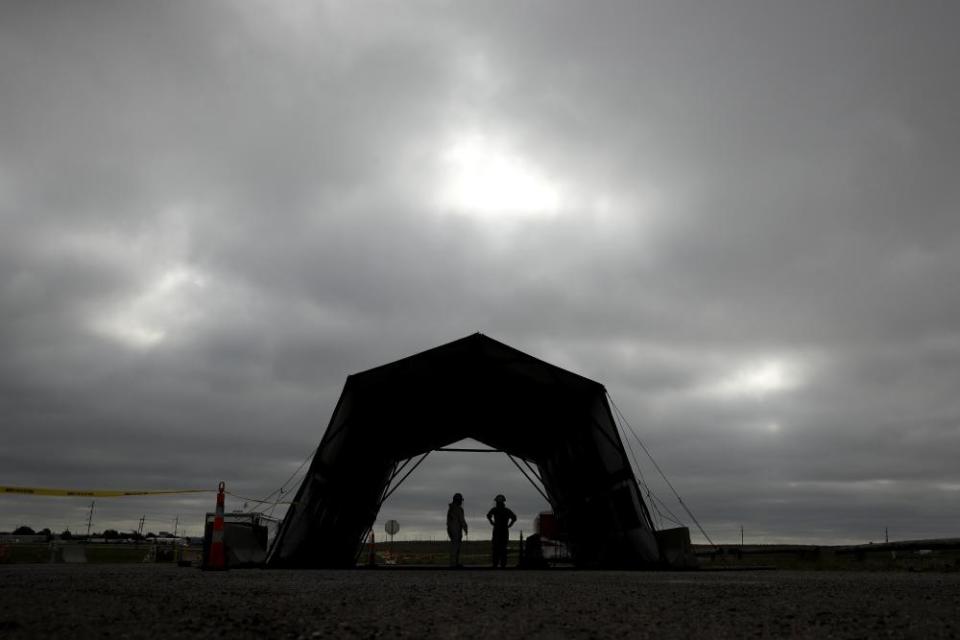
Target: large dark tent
{"points": [[558, 422]]}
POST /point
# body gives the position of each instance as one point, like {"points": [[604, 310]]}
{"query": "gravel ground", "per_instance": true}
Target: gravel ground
{"points": [[161, 601]]}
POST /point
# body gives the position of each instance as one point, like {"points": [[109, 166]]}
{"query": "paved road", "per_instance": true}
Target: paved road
{"points": [[158, 601]]}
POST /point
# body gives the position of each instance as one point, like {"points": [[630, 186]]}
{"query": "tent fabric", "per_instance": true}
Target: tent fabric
{"points": [[478, 388]]}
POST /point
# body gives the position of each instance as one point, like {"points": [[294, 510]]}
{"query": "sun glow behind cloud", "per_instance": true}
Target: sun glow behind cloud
{"points": [[757, 380], [147, 319], [485, 178]]}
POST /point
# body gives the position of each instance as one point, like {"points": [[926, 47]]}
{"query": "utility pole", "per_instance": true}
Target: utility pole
{"points": [[886, 534], [90, 518], [176, 523], [741, 536], [140, 528]]}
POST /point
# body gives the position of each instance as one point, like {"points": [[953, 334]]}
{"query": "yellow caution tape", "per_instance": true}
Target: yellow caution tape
{"points": [[44, 491]]}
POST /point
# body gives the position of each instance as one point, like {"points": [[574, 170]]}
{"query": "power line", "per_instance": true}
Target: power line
{"points": [[90, 517], [282, 488]]}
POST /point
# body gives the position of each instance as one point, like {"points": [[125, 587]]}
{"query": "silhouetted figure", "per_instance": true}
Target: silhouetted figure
{"points": [[502, 519], [456, 527]]}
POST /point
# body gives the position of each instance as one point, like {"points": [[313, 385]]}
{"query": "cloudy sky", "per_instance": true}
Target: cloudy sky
{"points": [[742, 217]]}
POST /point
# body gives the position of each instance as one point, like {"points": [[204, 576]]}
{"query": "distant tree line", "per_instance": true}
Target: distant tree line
{"points": [[66, 534]]}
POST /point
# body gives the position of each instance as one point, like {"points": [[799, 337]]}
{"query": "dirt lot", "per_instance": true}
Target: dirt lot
{"points": [[163, 601]]}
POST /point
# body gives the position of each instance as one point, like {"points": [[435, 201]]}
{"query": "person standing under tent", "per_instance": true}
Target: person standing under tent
{"points": [[502, 519], [456, 527]]}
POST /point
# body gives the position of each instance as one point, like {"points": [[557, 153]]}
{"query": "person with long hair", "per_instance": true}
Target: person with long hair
{"points": [[456, 527]]}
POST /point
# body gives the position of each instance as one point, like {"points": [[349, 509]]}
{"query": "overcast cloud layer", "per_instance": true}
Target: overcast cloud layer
{"points": [[741, 217]]}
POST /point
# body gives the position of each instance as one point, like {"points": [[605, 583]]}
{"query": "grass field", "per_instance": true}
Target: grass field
{"points": [[894, 557], [436, 553], [92, 553], [430, 553], [815, 558]]}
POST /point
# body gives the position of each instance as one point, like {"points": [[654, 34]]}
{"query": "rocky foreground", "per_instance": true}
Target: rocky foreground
{"points": [[162, 601]]}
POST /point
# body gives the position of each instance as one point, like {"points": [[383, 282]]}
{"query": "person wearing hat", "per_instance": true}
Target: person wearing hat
{"points": [[502, 519], [456, 527]]}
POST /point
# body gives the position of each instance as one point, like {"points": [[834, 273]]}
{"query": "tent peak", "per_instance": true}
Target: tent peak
{"points": [[478, 347]]}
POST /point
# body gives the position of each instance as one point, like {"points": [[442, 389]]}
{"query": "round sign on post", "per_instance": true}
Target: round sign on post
{"points": [[392, 526]]}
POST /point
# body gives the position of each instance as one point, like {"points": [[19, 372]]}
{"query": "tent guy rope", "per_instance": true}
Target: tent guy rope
{"points": [[659, 470]]}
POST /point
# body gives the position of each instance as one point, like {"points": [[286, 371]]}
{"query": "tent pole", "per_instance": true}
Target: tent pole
{"points": [[529, 479], [400, 482], [532, 470]]}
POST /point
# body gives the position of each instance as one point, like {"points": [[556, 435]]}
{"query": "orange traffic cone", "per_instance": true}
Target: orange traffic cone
{"points": [[217, 557]]}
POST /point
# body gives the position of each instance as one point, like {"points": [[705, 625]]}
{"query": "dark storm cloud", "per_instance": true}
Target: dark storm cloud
{"points": [[212, 213]]}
